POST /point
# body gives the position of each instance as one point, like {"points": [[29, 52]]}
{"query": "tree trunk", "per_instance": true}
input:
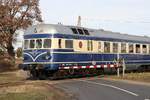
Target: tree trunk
{"points": [[10, 50]]}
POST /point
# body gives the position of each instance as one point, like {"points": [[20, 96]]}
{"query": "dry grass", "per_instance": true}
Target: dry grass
{"points": [[141, 77], [13, 86]]}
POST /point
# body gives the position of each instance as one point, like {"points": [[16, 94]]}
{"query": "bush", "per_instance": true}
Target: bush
{"points": [[6, 63]]}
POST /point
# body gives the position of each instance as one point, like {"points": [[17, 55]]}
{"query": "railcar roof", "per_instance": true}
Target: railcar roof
{"points": [[62, 29]]}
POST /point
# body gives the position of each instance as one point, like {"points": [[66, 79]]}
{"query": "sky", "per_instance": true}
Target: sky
{"points": [[125, 16]]}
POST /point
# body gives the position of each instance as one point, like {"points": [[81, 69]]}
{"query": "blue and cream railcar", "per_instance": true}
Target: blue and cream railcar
{"points": [[57, 47]]}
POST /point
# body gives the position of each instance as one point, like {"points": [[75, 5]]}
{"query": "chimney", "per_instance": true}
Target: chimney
{"points": [[79, 21]]}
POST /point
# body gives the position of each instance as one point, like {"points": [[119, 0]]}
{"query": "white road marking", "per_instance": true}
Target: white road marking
{"points": [[146, 99], [107, 85]]}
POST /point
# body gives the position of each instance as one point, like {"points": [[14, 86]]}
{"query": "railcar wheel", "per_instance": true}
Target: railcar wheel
{"points": [[34, 74]]}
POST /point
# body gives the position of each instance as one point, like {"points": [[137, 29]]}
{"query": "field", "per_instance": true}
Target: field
{"points": [[14, 86]]}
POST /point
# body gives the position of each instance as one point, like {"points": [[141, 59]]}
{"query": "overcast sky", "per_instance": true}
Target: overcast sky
{"points": [[126, 16]]}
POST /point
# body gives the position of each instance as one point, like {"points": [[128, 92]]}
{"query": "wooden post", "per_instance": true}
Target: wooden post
{"points": [[124, 67]]}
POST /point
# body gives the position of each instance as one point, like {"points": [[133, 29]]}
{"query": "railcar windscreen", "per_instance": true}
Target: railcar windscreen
{"points": [[39, 43], [26, 44], [32, 43]]}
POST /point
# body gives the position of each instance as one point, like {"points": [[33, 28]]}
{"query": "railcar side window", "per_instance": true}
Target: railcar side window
{"points": [[99, 47], [47, 43], [74, 31], [144, 48], [59, 43], [80, 31], [106, 47], [149, 48], [123, 47], [39, 43], [32, 43], [137, 46], [26, 44], [86, 32], [69, 44], [115, 47], [89, 45], [131, 48]]}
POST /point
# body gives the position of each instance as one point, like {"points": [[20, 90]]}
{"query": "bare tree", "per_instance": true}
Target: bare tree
{"points": [[14, 15]]}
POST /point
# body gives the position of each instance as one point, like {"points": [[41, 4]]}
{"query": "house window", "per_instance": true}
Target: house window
{"points": [[115, 47], [89, 45], [137, 46], [144, 48], [106, 47], [47, 43], [123, 47], [69, 44], [131, 48]]}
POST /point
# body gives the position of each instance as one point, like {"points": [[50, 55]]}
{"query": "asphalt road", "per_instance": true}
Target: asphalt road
{"points": [[101, 89]]}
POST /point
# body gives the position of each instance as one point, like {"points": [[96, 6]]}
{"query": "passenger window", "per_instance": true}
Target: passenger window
{"points": [[115, 47], [144, 48], [123, 47], [32, 43], [86, 32], [69, 44], [59, 43], [137, 48], [106, 47], [149, 49], [131, 48], [99, 47], [74, 31], [47, 43], [80, 32], [26, 44], [39, 43], [89, 45]]}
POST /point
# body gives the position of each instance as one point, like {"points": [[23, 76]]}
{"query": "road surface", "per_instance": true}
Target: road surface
{"points": [[102, 89]]}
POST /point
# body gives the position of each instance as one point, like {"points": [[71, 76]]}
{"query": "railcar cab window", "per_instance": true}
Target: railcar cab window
{"points": [[69, 44], [144, 48], [32, 44], [47, 43], [74, 31], [137, 47], [80, 31], [115, 47], [26, 44], [107, 47], [131, 48], [39, 43], [123, 48]]}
